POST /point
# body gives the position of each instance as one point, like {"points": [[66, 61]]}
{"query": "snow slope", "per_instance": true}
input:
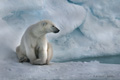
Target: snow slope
{"points": [[89, 28]]}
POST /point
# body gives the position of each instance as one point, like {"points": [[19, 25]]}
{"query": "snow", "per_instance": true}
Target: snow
{"points": [[12, 70], [88, 28]]}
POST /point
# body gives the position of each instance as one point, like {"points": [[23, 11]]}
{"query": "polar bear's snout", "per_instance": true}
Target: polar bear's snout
{"points": [[56, 30]]}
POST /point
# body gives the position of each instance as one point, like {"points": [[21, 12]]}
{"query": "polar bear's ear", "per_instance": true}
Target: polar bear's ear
{"points": [[44, 23]]}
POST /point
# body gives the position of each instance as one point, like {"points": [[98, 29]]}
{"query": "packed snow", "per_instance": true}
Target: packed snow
{"points": [[88, 28]]}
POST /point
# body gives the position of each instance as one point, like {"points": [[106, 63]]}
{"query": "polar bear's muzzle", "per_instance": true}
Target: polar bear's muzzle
{"points": [[56, 30]]}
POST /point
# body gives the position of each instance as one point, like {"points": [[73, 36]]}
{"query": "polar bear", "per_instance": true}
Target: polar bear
{"points": [[34, 46]]}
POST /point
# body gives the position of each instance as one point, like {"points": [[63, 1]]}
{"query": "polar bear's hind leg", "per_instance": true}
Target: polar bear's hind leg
{"points": [[22, 57]]}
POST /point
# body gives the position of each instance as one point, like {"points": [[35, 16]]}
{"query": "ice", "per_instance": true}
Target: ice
{"points": [[100, 31], [88, 28], [19, 18]]}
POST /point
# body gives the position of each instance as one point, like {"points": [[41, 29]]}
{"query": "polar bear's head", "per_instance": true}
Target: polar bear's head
{"points": [[48, 26]]}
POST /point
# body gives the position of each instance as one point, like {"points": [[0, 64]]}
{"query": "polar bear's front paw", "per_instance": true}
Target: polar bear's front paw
{"points": [[23, 59]]}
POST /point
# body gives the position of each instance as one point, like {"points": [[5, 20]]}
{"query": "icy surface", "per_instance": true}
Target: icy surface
{"points": [[88, 28], [59, 71]]}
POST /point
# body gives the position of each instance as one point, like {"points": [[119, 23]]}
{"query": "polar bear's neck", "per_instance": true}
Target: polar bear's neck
{"points": [[37, 33]]}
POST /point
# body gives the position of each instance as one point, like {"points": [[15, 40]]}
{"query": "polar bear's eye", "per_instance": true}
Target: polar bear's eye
{"points": [[44, 23]]}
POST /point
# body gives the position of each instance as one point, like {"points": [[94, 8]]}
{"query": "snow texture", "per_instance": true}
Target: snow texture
{"points": [[88, 28]]}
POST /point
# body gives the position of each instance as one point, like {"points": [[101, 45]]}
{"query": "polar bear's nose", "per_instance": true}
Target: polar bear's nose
{"points": [[56, 31]]}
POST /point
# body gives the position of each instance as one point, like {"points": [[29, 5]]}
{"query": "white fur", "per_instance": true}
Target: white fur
{"points": [[34, 45]]}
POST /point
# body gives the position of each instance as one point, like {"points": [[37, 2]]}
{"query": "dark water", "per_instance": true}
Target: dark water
{"points": [[103, 59]]}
